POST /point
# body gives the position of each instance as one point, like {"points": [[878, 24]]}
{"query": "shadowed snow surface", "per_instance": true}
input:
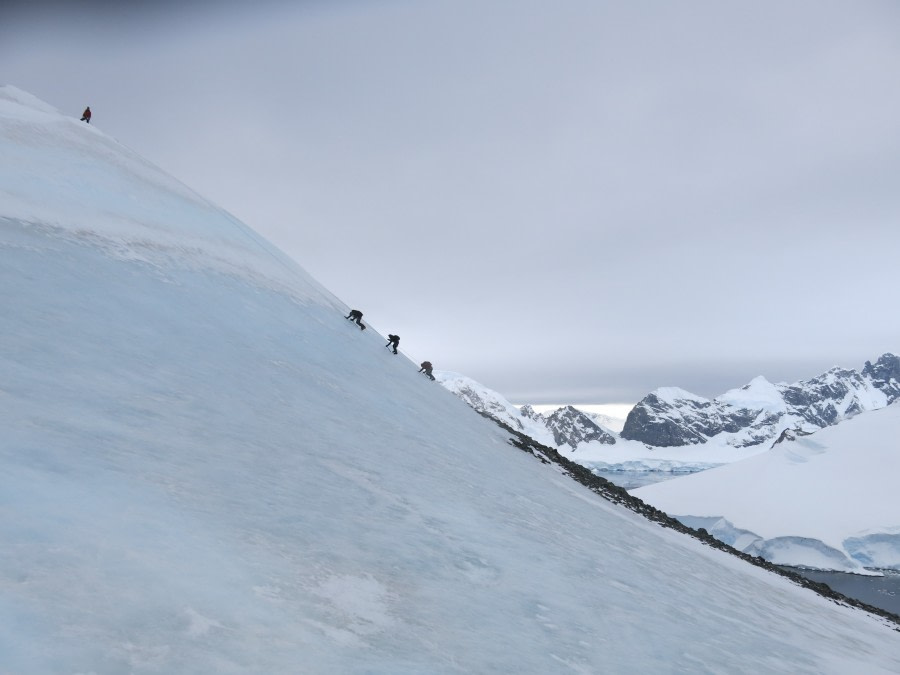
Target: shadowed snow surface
{"points": [[206, 469]]}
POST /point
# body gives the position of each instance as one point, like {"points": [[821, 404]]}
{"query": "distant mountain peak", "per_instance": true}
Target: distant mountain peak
{"points": [[572, 427], [531, 413], [759, 411]]}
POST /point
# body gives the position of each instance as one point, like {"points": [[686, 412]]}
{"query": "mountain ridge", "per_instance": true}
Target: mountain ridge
{"points": [[670, 417], [759, 412]]}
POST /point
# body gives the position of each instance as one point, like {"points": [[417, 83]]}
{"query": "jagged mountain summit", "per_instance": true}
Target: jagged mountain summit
{"points": [[206, 469], [760, 411], [572, 427], [530, 413]]}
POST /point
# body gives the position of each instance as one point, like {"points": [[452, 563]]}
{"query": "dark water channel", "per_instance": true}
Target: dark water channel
{"points": [[882, 592]]}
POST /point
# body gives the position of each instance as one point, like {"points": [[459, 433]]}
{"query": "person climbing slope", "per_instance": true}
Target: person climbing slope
{"points": [[86, 115], [356, 315], [393, 340], [426, 368]]}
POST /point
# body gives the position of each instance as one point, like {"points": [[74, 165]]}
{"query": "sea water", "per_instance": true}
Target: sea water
{"points": [[882, 592], [635, 479]]}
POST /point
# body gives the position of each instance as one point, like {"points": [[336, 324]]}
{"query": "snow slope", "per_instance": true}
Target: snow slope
{"points": [[828, 500], [205, 469]]}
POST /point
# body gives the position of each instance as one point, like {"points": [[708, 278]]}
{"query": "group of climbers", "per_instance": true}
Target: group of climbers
{"points": [[393, 341], [355, 315]]}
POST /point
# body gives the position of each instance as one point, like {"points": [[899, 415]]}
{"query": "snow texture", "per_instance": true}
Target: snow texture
{"points": [[206, 469]]}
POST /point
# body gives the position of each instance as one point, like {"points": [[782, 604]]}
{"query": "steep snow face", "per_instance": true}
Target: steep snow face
{"points": [[759, 394], [678, 395], [826, 500], [759, 412], [205, 469]]}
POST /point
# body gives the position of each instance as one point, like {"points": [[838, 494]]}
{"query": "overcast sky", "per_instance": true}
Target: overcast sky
{"points": [[569, 201]]}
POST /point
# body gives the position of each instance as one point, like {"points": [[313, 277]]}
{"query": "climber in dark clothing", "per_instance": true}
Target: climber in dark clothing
{"points": [[393, 340], [426, 368], [356, 315], [86, 115]]}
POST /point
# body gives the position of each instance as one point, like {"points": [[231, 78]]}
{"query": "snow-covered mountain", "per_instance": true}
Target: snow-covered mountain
{"points": [[566, 426], [573, 427], [495, 406], [205, 469], [663, 425], [826, 500], [760, 411], [580, 437]]}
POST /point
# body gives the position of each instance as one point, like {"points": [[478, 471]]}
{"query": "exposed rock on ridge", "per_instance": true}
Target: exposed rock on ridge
{"points": [[760, 411], [570, 426]]}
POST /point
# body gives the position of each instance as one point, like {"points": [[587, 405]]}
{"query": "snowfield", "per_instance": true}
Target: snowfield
{"points": [[827, 500], [205, 469]]}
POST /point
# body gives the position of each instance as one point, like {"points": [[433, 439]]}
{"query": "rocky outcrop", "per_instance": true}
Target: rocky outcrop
{"points": [[570, 426], [530, 413], [885, 374]]}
